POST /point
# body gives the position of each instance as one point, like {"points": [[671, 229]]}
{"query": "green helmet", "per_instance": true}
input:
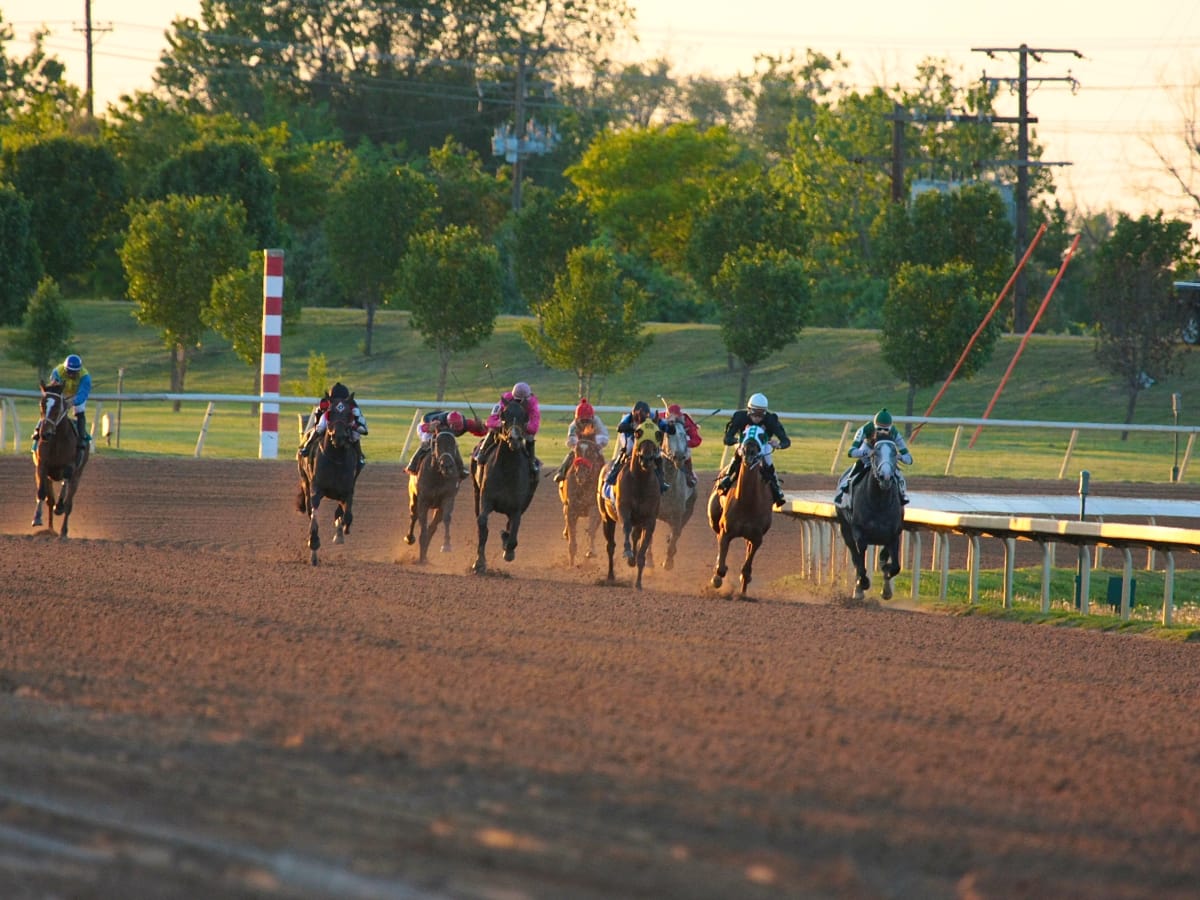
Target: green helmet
{"points": [[883, 419]]}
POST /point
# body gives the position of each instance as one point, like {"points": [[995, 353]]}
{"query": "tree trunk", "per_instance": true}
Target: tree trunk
{"points": [[744, 392], [443, 372], [179, 360], [369, 306], [1130, 406]]}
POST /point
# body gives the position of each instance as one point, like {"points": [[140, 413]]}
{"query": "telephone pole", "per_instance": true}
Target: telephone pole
{"points": [[1021, 82], [89, 31]]}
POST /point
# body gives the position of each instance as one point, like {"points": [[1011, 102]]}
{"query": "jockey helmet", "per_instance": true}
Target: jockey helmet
{"points": [[757, 403], [521, 391], [339, 392], [675, 410], [883, 419], [584, 410], [73, 364], [641, 410], [455, 420]]}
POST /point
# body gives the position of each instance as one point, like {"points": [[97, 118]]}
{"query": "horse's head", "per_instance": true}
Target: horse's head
{"points": [[884, 456], [645, 446], [750, 449], [52, 408], [674, 446], [514, 418], [339, 421], [587, 451], [445, 454]]}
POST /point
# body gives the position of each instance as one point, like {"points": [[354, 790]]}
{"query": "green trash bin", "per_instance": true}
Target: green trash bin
{"points": [[1114, 592]]}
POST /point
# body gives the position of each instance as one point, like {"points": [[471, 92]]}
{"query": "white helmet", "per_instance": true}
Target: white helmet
{"points": [[757, 403]]}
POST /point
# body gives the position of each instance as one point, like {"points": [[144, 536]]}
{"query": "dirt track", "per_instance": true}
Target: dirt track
{"points": [[189, 709]]}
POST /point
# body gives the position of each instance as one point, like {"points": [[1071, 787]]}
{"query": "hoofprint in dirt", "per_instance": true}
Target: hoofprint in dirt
{"points": [[196, 711]]}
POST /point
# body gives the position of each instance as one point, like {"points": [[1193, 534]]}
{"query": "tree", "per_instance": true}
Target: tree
{"points": [[591, 324], [46, 330], [467, 195], [374, 210], [452, 282], [762, 294], [547, 228], [175, 250], [76, 191], [20, 262], [928, 318], [1138, 314]]}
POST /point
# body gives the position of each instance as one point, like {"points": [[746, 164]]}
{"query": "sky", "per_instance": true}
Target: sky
{"points": [[1138, 65]]}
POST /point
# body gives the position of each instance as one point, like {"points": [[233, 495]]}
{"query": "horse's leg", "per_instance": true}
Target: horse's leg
{"points": [[446, 511], [752, 546], [890, 564], [722, 550], [410, 538], [610, 539], [481, 523], [41, 500], [593, 522], [672, 541], [645, 540], [429, 531], [630, 559], [510, 536], [863, 584], [314, 536], [339, 524]]}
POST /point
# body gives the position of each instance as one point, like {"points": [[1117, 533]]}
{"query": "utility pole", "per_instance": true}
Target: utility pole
{"points": [[89, 30], [1024, 52], [524, 137]]}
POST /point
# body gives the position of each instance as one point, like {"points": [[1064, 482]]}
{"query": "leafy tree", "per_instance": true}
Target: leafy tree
{"points": [[20, 262], [467, 195], [547, 228], [451, 281], [1134, 298], [928, 318], [762, 294], [37, 99], [45, 332], [644, 185], [175, 250], [783, 91], [224, 167], [373, 212], [76, 190], [591, 324]]}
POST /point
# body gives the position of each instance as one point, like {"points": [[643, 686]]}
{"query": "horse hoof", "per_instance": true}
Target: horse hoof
{"points": [[409, 539], [858, 596], [314, 558], [630, 560], [479, 568], [510, 555], [887, 591], [717, 581], [36, 523], [445, 548], [589, 555]]}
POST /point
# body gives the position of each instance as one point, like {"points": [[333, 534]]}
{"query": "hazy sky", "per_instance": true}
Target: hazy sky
{"points": [[1139, 60]]}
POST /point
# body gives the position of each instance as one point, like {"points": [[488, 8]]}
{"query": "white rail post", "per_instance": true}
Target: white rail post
{"points": [[208, 414], [1168, 613]]}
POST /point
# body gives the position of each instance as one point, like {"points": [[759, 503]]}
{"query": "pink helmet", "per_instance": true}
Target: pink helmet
{"points": [[521, 391], [455, 420]]}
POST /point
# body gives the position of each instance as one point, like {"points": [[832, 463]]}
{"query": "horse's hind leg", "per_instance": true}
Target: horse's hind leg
{"points": [[748, 568], [509, 537], [481, 523]]}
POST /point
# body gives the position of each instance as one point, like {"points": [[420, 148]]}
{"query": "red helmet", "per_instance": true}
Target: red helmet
{"points": [[584, 410], [674, 409], [455, 420]]}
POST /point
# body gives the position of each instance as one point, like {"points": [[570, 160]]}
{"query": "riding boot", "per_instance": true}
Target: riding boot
{"points": [[689, 471], [730, 475], [535, 464], [615, 469], [776, 490], [362, 459], [414, 464], [663, 487], [81, 428], [561, 472]]}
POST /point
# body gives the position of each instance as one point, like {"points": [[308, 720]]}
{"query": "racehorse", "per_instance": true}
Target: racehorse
{"points": [[745, 511], [504, 483], [434, 487], [679, 502], [578, 491], [57, 457], [329, 469], [636, 498], [875, 517]]}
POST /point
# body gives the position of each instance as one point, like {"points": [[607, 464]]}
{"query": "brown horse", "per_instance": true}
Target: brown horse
{"points": [[434, 487], [679, 502], [57, 457], [634, 504], [329, 470], [578, 491], [745, 511]]}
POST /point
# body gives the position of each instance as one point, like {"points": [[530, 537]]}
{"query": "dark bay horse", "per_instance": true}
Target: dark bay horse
{"points": [[578, 494], [434, 487], [636, 498], [875, 517], [329, 470], [678, 503], [745, 511], [57, 458], [504, 483]]}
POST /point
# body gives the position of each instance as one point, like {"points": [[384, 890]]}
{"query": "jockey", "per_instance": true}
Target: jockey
{"points": [[522, 393], [76, 386], [442, 420], [879, 428], [586, 424], [319, 422], [755, 413], [678, 416], [626, 428]]}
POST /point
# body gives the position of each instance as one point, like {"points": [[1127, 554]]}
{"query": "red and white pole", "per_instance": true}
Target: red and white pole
{"points": [[272, 337]]}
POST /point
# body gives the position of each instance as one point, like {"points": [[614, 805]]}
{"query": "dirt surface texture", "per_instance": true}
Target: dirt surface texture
{"points": [[189, 708]]}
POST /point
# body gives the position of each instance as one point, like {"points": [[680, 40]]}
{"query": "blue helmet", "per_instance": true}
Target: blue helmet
{"points": [[73, 364]]}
